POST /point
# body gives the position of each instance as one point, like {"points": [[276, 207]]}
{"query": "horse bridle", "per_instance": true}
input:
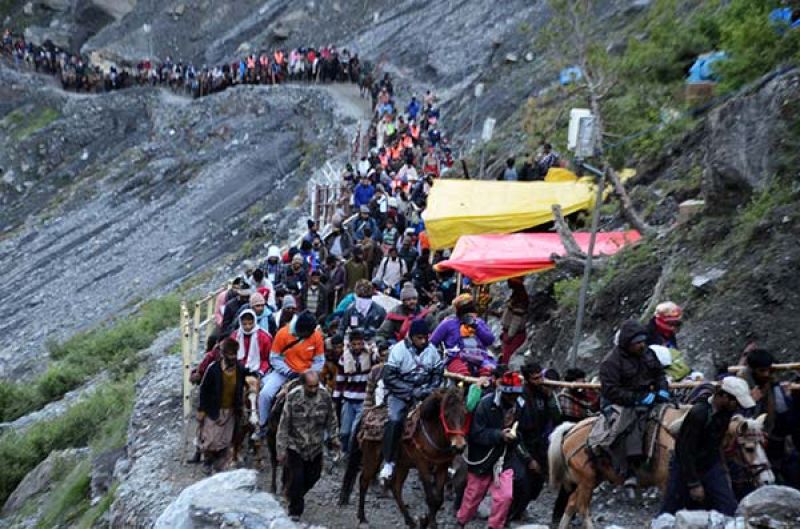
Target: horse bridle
{"points": [[752, 471], [447, 430]]}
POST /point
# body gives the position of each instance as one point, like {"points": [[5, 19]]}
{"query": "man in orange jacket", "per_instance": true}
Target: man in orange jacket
{"points": [[297, 348]]}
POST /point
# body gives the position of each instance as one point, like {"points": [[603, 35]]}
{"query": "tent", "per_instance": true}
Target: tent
{"points": [[494, 257], [471, 207]]}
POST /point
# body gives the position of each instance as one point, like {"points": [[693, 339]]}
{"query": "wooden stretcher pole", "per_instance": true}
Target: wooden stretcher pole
{"points": [[674, 385], [792, 366]]}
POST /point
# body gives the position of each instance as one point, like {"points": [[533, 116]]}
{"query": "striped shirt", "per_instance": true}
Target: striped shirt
{"points": [[353, 386]]}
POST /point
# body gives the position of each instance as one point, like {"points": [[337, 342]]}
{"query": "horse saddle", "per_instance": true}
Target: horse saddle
{"points": [[373, 424], [280, 397]]}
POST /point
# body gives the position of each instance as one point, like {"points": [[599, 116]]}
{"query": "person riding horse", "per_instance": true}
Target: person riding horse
{"points": [[466, 339], [297, 348], [414, 369], [632, 381]]}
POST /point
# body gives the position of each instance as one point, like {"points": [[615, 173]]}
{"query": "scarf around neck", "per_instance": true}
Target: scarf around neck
{"points": [[253, 352]]}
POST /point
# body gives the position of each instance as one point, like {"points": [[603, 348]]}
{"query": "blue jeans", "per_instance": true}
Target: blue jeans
{"points": [[719, 495], [351, 410], [270, 385]]}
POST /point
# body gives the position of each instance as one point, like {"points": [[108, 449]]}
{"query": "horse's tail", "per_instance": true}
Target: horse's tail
{"points": [[556, 460]]}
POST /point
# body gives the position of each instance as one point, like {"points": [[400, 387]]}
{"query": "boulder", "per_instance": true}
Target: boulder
{"points": [[56, 5], [40, 478], [227, 499], [59, 33], [664, 521], [705, 281], [745, 138], [700, 520], [114, 8], [771, 506], [103, 471]]}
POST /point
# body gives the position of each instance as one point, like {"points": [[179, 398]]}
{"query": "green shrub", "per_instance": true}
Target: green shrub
{"points": [[88, 353], [566, 293], [84, 422]]}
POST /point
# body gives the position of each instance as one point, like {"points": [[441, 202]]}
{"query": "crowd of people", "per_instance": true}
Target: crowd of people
{"points": [[77, 73], [359, 318]]}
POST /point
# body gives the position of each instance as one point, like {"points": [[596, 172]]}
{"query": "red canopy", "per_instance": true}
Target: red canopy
{"points": [[494, 257]]}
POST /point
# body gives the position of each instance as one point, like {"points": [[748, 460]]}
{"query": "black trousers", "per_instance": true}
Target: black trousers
{"points": [[527, 486], [303, 475]]}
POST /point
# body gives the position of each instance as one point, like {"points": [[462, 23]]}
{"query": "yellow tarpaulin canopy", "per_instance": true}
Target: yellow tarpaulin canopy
{"points": [[472, 207]]}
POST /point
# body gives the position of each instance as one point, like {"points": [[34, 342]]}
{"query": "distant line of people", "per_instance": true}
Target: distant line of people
{"points": [[325, 64]]}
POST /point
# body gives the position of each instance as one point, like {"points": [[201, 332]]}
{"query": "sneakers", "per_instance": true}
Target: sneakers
{"points": [[386, 473], [631, 482], [295, 518]]}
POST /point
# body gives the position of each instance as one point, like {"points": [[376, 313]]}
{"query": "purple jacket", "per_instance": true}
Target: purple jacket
{"points": [[449, 333]]}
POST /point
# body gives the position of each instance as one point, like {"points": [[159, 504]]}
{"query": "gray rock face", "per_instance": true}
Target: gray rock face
{"points": [[225, 499], [147, 483], [770, 506], [133, 191], [39, 479], [744, 136]]}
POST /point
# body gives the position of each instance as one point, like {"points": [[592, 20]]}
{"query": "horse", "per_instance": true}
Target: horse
{"points": [[249, 428], [438, 437], [573, 473]]}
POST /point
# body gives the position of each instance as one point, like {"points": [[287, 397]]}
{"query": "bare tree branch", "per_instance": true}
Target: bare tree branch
{"points": [[567, 239], [627, 205]]}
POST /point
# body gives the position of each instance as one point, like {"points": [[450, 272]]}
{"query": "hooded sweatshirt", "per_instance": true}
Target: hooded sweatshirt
{"points": [[254, 347]]}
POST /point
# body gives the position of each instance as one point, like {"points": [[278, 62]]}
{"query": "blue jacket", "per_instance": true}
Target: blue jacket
{"points": [[413, 109], [362, 195]]}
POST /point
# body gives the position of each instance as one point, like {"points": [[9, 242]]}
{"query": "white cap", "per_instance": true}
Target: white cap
{"points": [[273, 251], [738, 388]]}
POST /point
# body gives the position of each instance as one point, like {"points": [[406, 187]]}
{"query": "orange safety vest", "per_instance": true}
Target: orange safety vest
{"points": [[407, 141], [251, 63], [279, 57], [384, 158], [397, 152], [414, 130]]}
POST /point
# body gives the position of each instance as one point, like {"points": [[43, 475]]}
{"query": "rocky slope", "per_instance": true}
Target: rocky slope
{"points": [[115, 198]]}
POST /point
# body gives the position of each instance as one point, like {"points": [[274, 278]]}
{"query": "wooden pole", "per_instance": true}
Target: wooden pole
{"points": [[195, 330], [792, 366], [187, 362], [594, 385], [587, 270]]}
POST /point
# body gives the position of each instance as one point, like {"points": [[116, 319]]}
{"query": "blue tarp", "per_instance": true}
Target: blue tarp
{"points": [[783, 16], [569, 75], [702, 70]]}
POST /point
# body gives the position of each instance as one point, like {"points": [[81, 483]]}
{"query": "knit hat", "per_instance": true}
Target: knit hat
{"points": [[257, 299], [288, 302], [273, 251], [419, 327], [408, 292], [364, 209]]}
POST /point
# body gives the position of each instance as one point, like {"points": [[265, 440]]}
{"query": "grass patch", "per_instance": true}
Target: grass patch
{"points": [[566, 293], [70, 499], [21, 123], [88, 353], [91, 420], [748, 222], [90, 517]]}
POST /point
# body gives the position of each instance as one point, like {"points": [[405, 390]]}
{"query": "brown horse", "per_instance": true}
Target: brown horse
{"points": [[438, 437], [573, 472]]}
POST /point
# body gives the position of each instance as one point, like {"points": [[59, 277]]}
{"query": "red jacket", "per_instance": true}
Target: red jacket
{"points": [[264, 347]]}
